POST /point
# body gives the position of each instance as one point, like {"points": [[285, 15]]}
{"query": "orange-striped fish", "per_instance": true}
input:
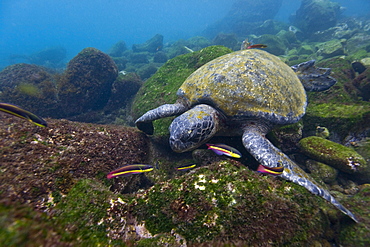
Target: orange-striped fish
{"points": [[256, 46]]}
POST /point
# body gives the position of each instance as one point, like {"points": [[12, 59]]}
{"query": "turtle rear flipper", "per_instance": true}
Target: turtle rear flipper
{"points": [[144, 123], [313, 78], [270, 156]]}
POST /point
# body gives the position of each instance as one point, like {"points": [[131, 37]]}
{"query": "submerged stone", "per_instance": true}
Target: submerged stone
{"points": [[226, 202], [334, 154]]}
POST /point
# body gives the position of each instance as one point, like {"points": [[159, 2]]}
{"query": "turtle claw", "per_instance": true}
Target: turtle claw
{"points": [[146, 127], [313, 78]]}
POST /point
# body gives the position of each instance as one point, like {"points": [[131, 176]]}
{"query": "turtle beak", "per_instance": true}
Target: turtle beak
{"points": [[176, 145]]}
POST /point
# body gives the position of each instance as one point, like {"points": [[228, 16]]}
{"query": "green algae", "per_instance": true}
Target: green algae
{"points": [[331, 153], [357, 235], [81, 212], [337, 117], [226, 202], [161, 88], [20, 226]]}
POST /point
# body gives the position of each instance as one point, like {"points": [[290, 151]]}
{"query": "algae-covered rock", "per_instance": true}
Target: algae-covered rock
{"points": [[152, 45], [336, 155], [31, 87], [316, 15], [363, 148], [81, 211], [86, 84], [161, 88], [275, 45], [358, 235], [342, 119], [226, 202], [322, 171], [331, 48]]}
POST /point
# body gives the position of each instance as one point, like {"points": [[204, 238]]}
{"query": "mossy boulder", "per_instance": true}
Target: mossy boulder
{"points": [[226, 202], [331, 48], [152, 45], [322, 171], [343, 72], [357, 235], [81, 211], [161, 88], [342, 120], [316, 15], [334, 154], [87, 81], [123, 90], [31, 87], [275, 45]]}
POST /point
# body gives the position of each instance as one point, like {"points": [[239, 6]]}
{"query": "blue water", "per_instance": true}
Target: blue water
{"points": [[28, 26]]}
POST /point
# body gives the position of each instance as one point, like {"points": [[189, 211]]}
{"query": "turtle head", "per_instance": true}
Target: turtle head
{"points": [[194, 127]]}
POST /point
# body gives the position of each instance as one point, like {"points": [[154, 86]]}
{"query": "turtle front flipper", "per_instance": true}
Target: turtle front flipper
{"points": [[313, 78], [144, 123], [268, 155]]}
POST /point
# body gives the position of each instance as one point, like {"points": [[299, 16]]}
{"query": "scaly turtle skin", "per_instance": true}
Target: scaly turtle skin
{"points": [[244, 93]]}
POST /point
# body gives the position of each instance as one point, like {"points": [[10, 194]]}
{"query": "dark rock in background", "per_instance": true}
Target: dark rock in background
{"points": [[152, 45], [244, 15], [51, 57], [316, 15], [123, 89], [362, 84], [118, 49], [31, 87], [160, 57], [275, 45], [226, 39], [86, 83]]}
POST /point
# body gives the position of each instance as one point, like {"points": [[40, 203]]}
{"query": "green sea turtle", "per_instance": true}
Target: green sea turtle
{"points": [[244, 93]]}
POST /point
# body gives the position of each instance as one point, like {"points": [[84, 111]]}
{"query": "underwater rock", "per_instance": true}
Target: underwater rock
{"points": [[322, 171], [275, 45], [362, 84], [123, 89], [363, 148], [117, 49], [87, 81], [227, 203], [347, 122], [146, 71], [31, 87], [358, 67], [287, 137], [226, 39], [359, 41], [359, 234], [40, 162], [160, 57], [244, 17], [316, 15], [163, 85], [139, 58], [152, 45], [331, 48], [51, 57], [334, 154]]}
